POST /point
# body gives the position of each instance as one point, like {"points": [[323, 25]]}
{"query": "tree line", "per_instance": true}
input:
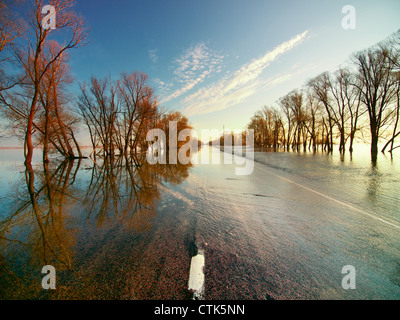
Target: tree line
{"points": [[359, 100], [34, 96]]}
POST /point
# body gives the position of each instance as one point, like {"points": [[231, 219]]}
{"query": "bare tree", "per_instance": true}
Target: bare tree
{"points": [[53, 122], [320, 87], [181, 123], [313, 110], [57, 123], [285, 104], [377, 88], [67, 22], [99, 108], [257, 123], [394, 42], [137, 104], [11, 27], [295, 103]]}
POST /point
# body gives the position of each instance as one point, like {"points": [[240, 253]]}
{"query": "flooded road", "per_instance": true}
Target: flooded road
{"points": [[129, 231]]}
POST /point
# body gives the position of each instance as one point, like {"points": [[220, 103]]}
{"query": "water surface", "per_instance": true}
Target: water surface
{"points": [[124, 229]]}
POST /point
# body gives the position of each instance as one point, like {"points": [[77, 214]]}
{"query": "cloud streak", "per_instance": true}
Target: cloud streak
{"points": [[233, 89], [193, 67]]}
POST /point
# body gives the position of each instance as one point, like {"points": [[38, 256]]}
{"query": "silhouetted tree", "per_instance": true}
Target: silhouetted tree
{"points": [[377, 88]]}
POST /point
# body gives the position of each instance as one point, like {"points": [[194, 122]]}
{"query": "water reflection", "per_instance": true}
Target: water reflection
{"points": [[127, 190], [42, 226], [374, 182], [371, 184]]}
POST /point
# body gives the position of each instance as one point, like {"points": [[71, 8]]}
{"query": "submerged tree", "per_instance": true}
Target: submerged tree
{"points": [[30, 56], [320, 87], [98, 107], [53, 121], [394, 57], [118, 115], [313, 115], [377, 88], [138, 107], [269, 131], [58, 122], [347, 108]]}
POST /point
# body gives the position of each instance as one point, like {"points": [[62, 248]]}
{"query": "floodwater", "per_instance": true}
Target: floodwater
{"points": [[119, 229]]}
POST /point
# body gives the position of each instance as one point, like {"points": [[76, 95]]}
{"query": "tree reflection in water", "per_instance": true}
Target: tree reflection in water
{"points": [[42, 227]]}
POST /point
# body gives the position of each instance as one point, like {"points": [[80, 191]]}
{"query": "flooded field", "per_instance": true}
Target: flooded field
{"points": [[118, 229]]}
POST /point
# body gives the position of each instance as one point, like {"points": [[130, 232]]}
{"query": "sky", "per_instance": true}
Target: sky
{"points": [[219, 61]]}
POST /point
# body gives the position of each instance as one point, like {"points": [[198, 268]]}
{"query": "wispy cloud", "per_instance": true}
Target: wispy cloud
{"points": [[163, 88], [193, 67], [153, 55], [233, 89]]}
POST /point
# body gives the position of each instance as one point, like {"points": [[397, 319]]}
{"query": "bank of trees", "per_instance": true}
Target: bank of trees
{"points": [[34, 103], [34, 96], [360, 100], [117, 114]]}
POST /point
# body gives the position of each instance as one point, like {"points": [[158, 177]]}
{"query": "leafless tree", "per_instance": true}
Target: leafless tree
{"points": [[11, 28], [137, 104], [57, 122], [394, 42], [377, 88], [99, 108], [285, 105], [71, 26], [313, 116], [320, 87], [54, 121]]}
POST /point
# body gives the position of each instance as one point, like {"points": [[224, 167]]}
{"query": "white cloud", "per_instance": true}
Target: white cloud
{"points": [[153, 55], [163, 88], [233, 89], [193, 67]]}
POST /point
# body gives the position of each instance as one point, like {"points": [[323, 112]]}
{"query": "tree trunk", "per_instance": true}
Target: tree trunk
{"points": [[28, 146], [374, 144]]}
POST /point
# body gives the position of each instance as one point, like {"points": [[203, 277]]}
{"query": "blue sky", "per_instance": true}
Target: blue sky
{"points": [[219, 61]]}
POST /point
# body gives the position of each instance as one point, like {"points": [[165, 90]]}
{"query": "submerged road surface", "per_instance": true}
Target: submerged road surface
{"points": [[270, 235], [283, 232]]}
